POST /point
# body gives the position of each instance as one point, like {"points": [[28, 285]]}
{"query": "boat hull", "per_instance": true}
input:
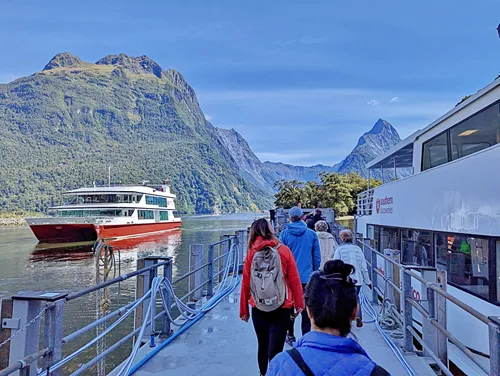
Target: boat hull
{"points": [[136, 229], [64, 233], [53, 230]]}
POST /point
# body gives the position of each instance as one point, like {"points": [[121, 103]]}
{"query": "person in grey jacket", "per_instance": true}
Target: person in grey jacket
{"points": [[350, 253]]}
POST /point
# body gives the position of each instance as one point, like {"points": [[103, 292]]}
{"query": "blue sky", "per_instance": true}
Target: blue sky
{"points": [[301, 81]]}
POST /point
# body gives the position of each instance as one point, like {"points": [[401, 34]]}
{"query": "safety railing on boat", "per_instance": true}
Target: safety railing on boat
{"points": [[365, 202], [212, 273], [407, 303]]}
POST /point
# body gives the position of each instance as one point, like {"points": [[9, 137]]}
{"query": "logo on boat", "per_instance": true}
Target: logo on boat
{"points": [[384, 205]]}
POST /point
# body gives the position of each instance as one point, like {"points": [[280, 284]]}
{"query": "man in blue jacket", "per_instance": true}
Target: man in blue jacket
{"points": [[304, 244]]}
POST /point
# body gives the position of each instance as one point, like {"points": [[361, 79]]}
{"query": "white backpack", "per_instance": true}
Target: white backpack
{"points": [[267, 284]]}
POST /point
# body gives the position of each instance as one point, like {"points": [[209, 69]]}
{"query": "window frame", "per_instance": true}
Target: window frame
{"points": [[448, 138], [492, 259]]}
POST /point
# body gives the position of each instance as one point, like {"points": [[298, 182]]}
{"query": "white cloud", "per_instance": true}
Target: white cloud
{"points": [[208, 117], [395, 100], [372, 102]]}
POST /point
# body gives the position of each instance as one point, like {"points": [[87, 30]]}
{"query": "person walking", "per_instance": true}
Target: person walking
{"points": [[352, 254], [271, 285], [331, 304], [327, 242], [304, 244]]}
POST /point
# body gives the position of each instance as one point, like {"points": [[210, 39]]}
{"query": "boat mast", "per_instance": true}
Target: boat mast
{"points": [[109, 176]]}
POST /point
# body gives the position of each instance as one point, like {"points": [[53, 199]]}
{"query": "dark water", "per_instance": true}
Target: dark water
{"points": [[27, 266]]}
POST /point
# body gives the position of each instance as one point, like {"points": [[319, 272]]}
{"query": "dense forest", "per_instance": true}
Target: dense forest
{"points": [[63, 127], [334, 190]]}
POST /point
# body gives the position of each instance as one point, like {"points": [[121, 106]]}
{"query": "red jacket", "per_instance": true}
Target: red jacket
{"points": [[295, 296]]}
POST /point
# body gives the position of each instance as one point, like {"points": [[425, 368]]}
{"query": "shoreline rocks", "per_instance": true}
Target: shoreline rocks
{"points": [[12, 222]]}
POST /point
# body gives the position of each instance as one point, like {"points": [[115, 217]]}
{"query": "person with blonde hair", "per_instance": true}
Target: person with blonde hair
{"points": [[351, 254], [327, 242]]}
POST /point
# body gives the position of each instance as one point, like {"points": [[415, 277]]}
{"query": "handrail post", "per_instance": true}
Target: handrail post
{"points": [[143, 284], [223, 249], [53, 335], [27, 308], [195, 279], [210, 272], [494, 334], [407, 311], [374, 277], [165, 328]]}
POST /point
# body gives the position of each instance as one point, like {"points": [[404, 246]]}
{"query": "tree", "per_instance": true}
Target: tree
{"points": [[289, 193], [335, 191]]}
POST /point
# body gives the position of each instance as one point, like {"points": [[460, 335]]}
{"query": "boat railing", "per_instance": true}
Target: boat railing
{"points": [[365, 202], [25, 316], [407, 303]]}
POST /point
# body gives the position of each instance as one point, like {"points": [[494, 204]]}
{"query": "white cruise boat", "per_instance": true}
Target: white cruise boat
{"points": [[446, 213], [108, 212]]}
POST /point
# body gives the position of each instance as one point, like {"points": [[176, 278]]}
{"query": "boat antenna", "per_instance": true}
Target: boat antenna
{"points": [[109, 176], [144, 182]]}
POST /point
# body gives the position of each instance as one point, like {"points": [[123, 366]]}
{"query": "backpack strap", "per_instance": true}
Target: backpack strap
{"points": [[297, 358]]}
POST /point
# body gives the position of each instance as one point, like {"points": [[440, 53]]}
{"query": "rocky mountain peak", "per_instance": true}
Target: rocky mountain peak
{"points": [[64, 59], [380, 128], [138, 65]]}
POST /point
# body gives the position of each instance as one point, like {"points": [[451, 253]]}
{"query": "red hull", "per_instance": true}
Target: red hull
{"points": [[116, 231], [68, 233], [64, 233]]}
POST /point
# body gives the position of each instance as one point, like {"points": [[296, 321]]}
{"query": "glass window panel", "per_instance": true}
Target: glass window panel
{"points": [[416, 248], [466, 261], [477, 133], [435, 151], [389, 239]]}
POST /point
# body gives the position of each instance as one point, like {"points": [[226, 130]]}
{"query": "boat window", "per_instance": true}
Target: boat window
{"points": [[145, 214], [465, 260], [163, 215], [435, 151], [131, 212], [91, 213], [476, 133], [416, 248], [155, 200], [389, 239]]}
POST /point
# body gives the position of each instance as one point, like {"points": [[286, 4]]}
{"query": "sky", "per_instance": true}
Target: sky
{"points": [[300, 80]]}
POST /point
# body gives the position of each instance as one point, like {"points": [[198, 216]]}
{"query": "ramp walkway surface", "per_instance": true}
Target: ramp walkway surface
{"points": [[221, 344]]}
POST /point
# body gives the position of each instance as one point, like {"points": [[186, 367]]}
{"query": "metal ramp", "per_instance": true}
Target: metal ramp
{"points": [[221, 344]]}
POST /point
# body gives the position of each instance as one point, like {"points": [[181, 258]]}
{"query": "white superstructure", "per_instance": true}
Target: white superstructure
{"points": [[447, 212]]}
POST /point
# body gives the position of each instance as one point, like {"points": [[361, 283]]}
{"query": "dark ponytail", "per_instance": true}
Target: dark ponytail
{"points": [[330, 296]]}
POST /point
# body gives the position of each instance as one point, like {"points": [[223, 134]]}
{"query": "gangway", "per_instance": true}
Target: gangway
{"points": [[200, 333]]}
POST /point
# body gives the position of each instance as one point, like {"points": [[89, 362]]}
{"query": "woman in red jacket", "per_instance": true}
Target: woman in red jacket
{"points": [[270, 327]]}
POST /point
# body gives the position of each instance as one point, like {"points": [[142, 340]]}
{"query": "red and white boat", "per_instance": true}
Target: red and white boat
{"points": [[108, 212]]}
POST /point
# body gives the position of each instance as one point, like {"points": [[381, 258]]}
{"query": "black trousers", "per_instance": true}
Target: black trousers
{"points": [[270, 328], [305, 324]]}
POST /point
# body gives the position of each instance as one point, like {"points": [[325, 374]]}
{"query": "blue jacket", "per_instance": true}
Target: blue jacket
{"points": [[304, 244], [326, 355]]}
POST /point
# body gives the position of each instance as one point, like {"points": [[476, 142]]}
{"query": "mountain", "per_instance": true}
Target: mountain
{"points": [[264, 174], [379, 139], [62, 127]]}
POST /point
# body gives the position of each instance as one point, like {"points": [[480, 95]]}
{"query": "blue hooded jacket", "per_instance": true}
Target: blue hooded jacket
{"points": [[326, 355], [304, 244]]}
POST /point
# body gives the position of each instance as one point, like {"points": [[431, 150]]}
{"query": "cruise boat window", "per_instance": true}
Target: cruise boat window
{"points": [[146, 214], [163, 215], [416, 248], [389, 239], [476, 133], [435, 152], [466, 261]]}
